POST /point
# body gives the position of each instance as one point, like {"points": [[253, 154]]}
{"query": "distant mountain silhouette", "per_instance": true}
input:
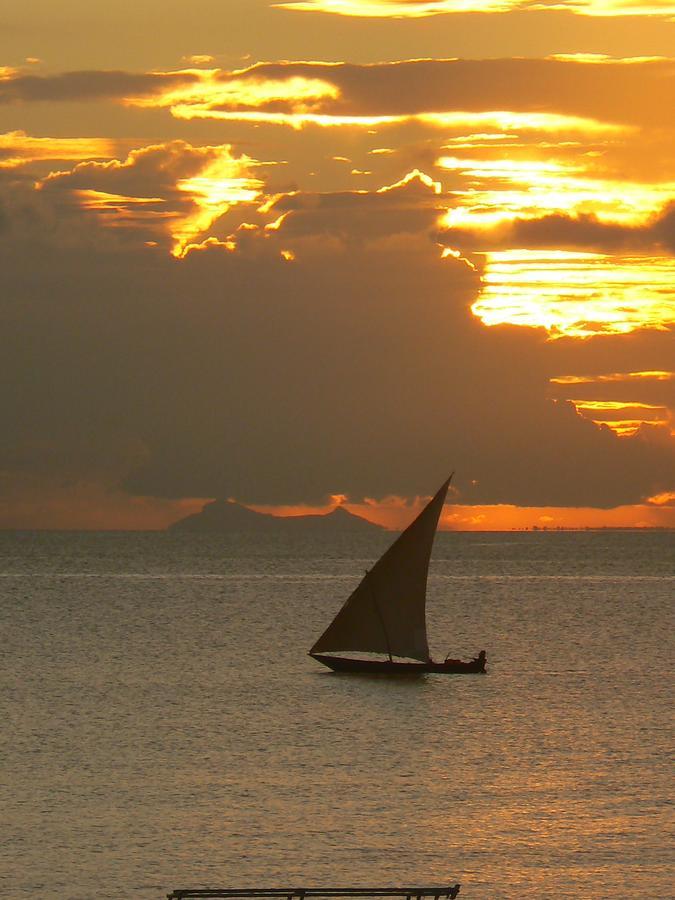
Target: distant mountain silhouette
{"points": [[225, 516]]}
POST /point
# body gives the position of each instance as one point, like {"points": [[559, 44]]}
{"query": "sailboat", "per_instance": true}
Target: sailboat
{"points": [[386, 612]]}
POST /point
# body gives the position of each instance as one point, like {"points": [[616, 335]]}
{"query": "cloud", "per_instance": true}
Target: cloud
{"points": [[412, 205], [579, 294], [72, 479], [665, 499], [175, 194], [626, 401], [563, 94], [663, 228], [354, 368], [614, 92], [18, 148], [422, 8], [572, 274], [584, 231], [17, 87], [163, 192], [398, 8]]}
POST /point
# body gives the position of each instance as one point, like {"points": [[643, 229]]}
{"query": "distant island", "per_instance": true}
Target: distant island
{"points": [[227, 516]]}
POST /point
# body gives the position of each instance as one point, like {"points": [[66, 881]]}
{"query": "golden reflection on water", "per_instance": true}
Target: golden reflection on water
{"points": [[169, 730]]}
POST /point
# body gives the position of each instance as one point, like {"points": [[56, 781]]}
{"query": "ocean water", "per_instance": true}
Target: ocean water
{"points": [[163, 726]]}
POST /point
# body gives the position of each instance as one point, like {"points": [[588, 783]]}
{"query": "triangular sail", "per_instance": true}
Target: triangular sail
{"points": [[386, 612]]}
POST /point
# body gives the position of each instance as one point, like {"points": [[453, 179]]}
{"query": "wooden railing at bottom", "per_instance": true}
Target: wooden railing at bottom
{"points": [[414, 893]]}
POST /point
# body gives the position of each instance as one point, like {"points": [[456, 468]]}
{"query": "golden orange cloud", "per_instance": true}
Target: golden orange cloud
{"points": [[210, 96], [199, 59], [663, 499], [624, 418], [18, 148], [222, 183], [501, 189], [421, 8], [171, 189], [571, 293], [571, 173], [584, 91], [558, 94], [628, 414], [397, 8], [180, 190], [300, 94], [614, 377], [118, 211]]}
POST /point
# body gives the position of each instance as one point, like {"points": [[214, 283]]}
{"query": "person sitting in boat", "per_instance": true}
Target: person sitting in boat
{"points": [[482, 656]]}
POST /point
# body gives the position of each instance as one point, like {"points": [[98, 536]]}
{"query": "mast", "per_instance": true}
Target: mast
{"points": [[384, 627]]}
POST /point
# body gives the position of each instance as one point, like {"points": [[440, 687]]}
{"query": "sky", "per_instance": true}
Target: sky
{"points": [[303, 253]]}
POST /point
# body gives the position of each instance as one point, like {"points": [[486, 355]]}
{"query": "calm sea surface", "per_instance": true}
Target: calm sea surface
{"points": [[163, 726]]}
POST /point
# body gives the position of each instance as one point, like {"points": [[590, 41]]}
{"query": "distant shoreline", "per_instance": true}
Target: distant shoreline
{"points": [[169, 531]]}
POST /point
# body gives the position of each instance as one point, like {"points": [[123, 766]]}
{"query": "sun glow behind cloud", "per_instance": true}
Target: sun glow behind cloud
{"points": [[217, 187], [575, 294], [523, 166], [499, 190], [172, 191], [615, 377], [568, 292], [329, 94], [404, 9], [395, 8], [514, 120], [241, 91]]}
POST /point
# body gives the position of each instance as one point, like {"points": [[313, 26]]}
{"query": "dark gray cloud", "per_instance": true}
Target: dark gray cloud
{"points": [[631, 93], [411, 206], [86, 85], [145, 197], [582, 232], [357, 368], [663, 228]]}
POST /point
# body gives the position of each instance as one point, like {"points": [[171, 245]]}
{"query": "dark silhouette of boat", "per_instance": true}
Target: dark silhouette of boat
{"points": [[386, 613], [394, 667]]}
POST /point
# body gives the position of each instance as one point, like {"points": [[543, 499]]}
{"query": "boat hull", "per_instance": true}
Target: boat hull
{"points": [[386, 667]]}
